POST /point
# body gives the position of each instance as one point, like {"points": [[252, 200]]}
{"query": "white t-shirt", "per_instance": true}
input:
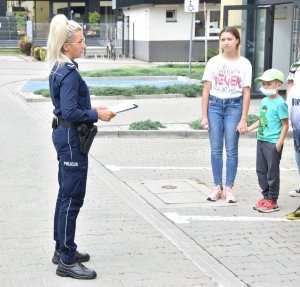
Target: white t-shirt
{"points": [[228, 77], [293, 101]]}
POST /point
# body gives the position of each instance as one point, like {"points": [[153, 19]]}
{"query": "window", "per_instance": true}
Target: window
{"points": [[171, 16], [213, 24]]}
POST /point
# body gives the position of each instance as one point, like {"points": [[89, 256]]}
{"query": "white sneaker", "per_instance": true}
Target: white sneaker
{"points": [[295, 192], [216, 194], [230, 198]]}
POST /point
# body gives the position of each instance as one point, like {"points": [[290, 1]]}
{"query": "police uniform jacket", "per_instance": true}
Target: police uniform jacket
{"points": [[70, 95]]}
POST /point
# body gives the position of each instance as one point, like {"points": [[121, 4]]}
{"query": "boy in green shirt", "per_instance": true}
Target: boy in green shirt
{"points": [[272, 129]]}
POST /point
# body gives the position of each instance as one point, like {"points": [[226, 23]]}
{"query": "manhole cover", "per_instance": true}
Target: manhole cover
{"points": [[169, 186]]}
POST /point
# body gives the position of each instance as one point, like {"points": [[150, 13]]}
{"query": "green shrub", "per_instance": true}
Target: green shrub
{"points": [[42, 54], [196, 125], [146, 125], [25, 45], [252, 119], [43, 92], [38, 53], [94, 18]]}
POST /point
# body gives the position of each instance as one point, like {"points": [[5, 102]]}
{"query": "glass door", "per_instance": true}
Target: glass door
{"points": [[60, 8], [77, 12], [295, 49], [256, 28], [73, 10]]}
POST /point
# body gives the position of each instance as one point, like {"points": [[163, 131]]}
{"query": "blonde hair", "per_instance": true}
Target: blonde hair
{"points": [[61, 31]]}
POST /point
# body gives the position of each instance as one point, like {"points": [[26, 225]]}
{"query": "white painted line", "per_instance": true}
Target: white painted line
{"points": [[117, 168], [176, 218], [194, 252]]}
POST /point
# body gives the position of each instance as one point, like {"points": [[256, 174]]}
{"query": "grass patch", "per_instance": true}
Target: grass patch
{"points": [[187, 90], [146, 125], [10, 52], [162, 70]]}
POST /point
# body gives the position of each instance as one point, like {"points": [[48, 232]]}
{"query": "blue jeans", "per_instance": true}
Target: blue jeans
{"points": [[223, 117]]}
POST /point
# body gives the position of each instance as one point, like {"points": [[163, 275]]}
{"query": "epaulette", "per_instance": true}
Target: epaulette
{"points": [[71, 66]]}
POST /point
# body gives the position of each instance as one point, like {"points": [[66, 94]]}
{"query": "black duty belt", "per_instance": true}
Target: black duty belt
{"points": [[68, 124]]}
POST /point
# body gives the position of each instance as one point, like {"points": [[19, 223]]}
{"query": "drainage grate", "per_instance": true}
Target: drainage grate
{"points": [[169, 186]]}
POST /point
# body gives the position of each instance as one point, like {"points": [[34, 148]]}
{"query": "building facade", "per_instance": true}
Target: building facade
{"points": [[161, 30], [270, 32], [41, 11], [14, 16]]}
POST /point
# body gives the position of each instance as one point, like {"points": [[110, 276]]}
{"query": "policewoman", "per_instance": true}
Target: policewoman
{"points": [[73, 132]]}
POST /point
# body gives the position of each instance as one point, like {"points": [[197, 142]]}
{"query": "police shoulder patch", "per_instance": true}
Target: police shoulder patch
{"points": [[71, 66]]}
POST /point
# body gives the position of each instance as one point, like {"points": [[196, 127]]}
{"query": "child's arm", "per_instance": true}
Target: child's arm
{"points": [[253, 126], [284, 130]]}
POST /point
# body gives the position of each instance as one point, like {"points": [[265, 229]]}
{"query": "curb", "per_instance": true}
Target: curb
{"points": [[32, 98], [166, 134]]}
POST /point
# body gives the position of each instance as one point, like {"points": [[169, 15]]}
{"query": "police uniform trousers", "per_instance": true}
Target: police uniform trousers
{"points": [[72, 175]]}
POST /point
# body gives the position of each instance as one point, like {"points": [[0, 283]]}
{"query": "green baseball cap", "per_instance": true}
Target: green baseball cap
{"points": [[271, 75]]}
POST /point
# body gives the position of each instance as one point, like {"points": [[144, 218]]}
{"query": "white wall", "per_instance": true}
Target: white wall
{"points": [[150, 22], [160, 30], [139, 15], [282, 37]]}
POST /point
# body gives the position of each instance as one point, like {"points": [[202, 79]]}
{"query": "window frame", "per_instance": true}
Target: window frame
{"points": [[209, 10], [171, 20]]}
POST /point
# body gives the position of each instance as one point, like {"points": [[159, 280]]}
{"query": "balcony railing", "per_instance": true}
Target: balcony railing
{"points": [[96, 34]]}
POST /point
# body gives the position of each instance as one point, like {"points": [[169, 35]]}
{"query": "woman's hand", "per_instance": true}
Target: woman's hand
{"points": [[204, 123], [242, 127], [105, 115]]}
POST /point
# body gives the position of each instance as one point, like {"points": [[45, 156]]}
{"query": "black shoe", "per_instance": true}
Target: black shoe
{"points": [[76, 271], [80, 257]]}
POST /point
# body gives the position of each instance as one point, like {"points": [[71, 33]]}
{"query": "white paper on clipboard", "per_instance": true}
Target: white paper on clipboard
{"points": [[122, 107]]}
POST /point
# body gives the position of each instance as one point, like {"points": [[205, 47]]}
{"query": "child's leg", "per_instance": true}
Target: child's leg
{"points": [[297, 157], [262, 169], [273, 159], [296, 137]]}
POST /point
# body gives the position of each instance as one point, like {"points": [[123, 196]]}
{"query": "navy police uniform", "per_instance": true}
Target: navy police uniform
{"points": [[71, 100]]}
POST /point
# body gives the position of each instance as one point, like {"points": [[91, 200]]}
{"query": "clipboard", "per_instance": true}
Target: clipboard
{"points": [[122, 107]]}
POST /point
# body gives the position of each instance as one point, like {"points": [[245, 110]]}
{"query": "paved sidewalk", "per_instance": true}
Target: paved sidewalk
{"points": [[145, 221]]}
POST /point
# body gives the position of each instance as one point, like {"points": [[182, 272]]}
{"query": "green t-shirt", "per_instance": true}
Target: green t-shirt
{"points": [[271, 112]]}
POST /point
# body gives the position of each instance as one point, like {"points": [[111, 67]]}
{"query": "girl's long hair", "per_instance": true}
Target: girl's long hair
{"points": [[61, 31]]}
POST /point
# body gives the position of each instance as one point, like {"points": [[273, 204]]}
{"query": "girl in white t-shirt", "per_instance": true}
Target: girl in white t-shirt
{"points": [[225, 104]]}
